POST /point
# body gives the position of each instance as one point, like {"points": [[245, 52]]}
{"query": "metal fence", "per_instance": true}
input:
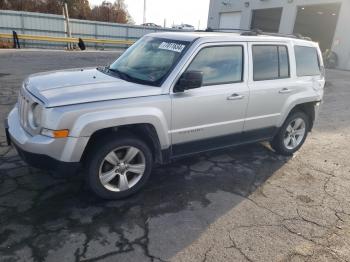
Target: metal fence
{"points": [[54, 25]]}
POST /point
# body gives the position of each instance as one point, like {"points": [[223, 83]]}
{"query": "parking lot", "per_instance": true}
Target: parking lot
{"points": [[242, 204]]}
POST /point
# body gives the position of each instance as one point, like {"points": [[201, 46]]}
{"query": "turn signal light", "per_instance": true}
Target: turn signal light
{"points": [[60, 133], [55, 133]]}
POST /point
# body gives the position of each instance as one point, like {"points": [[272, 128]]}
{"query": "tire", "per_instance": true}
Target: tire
{"points": [[98, 167], [280, 142]]}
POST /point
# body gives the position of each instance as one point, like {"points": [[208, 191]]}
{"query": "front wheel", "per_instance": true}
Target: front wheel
{"points": [[292, 134], [118, 167]]}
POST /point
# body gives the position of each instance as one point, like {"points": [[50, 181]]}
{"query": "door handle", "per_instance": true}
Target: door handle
{"points": [[285, 91], [235, 97]]}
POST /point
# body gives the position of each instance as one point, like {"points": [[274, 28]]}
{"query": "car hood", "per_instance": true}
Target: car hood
{"points": [[75, 86]]}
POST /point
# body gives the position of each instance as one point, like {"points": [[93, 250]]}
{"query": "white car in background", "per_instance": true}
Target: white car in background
{"points": [[184, 27], [150, 25]]}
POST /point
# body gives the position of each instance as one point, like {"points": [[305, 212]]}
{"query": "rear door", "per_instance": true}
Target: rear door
{"points": [[270, 85]]}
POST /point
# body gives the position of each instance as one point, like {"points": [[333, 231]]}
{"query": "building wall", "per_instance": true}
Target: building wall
{"points": [[341, 41]]}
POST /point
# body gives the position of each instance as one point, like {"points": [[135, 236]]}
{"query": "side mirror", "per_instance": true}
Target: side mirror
{"points": [[189, 80]]}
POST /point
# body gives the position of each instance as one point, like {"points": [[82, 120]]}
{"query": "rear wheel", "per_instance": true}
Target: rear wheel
{"points": [[292, 134], [118, 167]]}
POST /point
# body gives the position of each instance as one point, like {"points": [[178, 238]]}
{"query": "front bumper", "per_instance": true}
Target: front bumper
{"points": [[41, 151], [8, 139], [47, 163]]}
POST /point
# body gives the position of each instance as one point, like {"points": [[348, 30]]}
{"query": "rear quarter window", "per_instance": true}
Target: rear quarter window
{"points": [[307, 61]]}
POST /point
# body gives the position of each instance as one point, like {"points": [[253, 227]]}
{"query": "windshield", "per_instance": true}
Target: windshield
{"points": [[149, 60]]}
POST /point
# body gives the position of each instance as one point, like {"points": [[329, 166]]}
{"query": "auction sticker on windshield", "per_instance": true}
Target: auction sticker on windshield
{"points": [[172, 47]]}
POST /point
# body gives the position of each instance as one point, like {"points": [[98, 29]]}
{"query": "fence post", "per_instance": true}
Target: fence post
{"points": [[96, 35], [22, 29], [127, 35], [68, 24]]}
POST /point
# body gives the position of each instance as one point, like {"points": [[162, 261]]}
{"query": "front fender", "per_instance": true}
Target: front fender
{"points": [[89, 123]]}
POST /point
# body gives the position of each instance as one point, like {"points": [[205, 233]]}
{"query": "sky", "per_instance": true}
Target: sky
{"points": [[194, 12]]}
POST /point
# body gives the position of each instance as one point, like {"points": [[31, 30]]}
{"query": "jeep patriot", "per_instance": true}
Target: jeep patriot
{"points": [[168, 96]]}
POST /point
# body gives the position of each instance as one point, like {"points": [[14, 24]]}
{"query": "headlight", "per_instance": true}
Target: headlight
{"points": [[34, 116]]}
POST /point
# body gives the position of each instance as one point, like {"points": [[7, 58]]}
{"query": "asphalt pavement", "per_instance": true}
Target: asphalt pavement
{"points": [[241, 204]]}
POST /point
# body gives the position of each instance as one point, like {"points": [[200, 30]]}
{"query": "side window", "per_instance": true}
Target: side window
{"points": [[307, 61], [219, 64], [283, 61], [270, 62]]}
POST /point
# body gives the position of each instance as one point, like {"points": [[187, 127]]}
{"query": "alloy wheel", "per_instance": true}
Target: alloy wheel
{"points": [[122, 168], [295, 133]]}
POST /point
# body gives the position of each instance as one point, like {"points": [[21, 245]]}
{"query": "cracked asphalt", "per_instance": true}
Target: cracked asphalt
{"points": [[242, 204]]}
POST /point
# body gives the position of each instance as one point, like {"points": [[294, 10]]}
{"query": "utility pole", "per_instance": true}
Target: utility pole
{"points": [[144, 11], [69, 34]]}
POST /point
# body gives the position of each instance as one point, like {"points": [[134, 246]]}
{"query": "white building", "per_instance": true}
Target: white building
{"points": [[325, 21]]}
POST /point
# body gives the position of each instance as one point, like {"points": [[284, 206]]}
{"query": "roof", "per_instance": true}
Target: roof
{"points": [[223, 36]]}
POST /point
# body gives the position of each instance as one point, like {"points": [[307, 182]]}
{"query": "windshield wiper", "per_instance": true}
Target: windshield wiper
{"points": [[108, 70], [102, 69], [114, 71], [126, 76], [122, 75]]}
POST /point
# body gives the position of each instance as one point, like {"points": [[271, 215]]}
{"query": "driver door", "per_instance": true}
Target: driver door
{"points": [[212, 116]]}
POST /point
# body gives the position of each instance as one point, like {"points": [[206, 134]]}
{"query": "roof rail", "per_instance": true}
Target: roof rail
{"points": [[260, 32], [297, 36], [224, 30], [255, 32], [246, 32]]}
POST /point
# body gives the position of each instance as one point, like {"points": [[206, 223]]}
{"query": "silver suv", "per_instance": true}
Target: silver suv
{"points": [[169, 95]]}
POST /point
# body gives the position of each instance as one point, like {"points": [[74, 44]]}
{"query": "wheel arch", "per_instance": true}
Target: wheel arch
{"points": [[307, 108], [144, 131]]}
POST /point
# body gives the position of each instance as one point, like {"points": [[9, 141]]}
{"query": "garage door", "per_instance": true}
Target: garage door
{"points": [[230, 20], [318, 22]]}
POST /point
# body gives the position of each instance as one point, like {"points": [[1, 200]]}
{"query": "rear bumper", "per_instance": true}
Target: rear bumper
{"points": [[317, 110]]}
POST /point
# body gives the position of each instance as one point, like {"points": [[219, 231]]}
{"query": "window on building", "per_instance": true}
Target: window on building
{"points": [[219, 64], [270, 62], [307, 61]]}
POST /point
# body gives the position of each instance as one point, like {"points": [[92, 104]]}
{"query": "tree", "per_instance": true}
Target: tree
{"points": [[80, 9], [3, 4], [51, 7], [108, 12]]}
